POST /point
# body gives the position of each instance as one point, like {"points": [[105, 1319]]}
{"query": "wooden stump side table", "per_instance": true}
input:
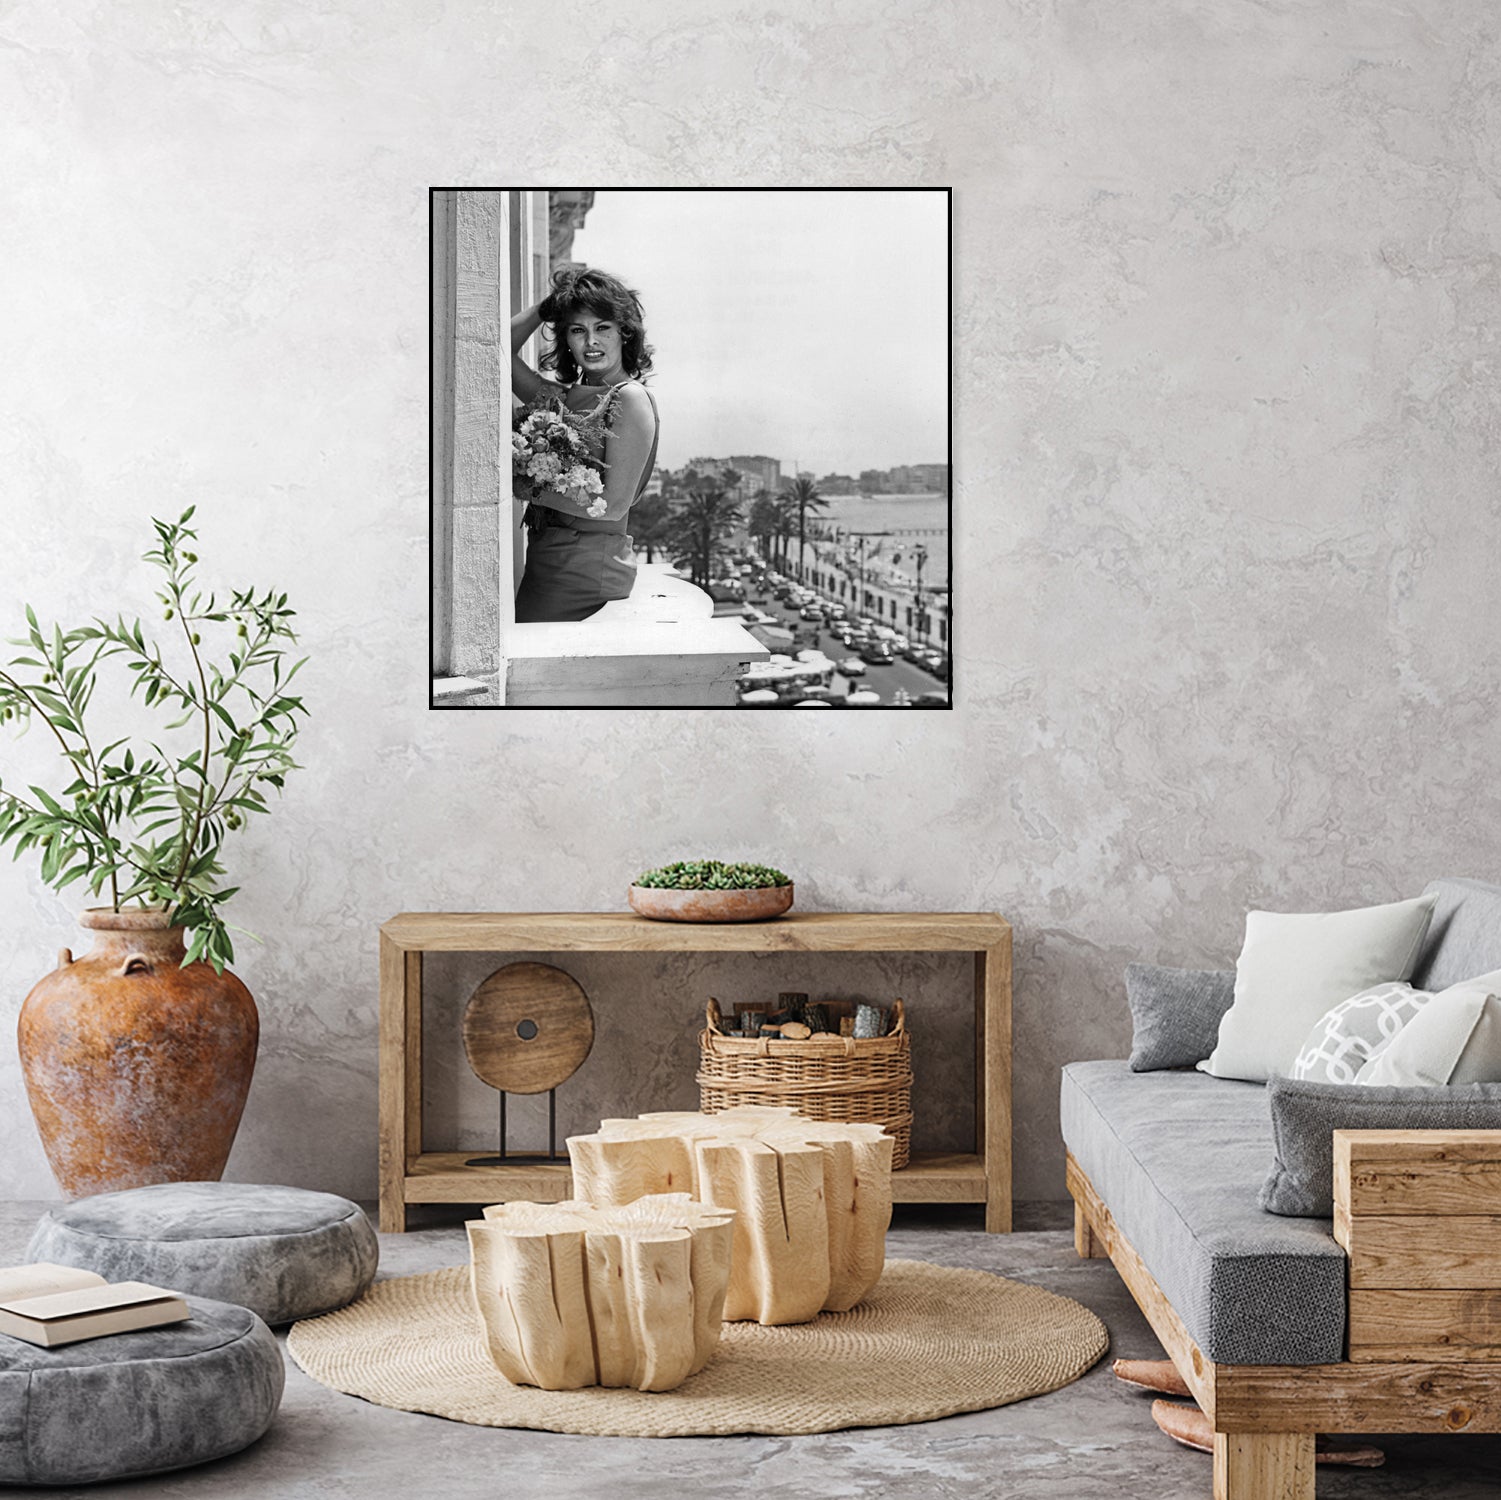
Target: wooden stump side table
{"points": [[572, 1294], [811, 1198]]}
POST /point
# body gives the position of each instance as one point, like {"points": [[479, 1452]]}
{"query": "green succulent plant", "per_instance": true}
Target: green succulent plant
{"points": [[712, 875]]}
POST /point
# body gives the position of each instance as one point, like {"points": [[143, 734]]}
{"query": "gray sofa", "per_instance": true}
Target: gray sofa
{"points": [[1165, 1169]]}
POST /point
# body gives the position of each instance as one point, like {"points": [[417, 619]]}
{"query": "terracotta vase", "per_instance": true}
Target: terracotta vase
{"points": [[137, 1069]]}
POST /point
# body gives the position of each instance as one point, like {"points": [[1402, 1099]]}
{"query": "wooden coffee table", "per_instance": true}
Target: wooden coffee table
{"points": [[811, 1198]]}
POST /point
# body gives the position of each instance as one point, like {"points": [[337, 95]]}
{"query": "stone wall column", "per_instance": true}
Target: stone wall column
{"points": [[478, 560]]}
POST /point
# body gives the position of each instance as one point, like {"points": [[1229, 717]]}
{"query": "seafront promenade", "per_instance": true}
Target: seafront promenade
{"points": [[888, 593]]}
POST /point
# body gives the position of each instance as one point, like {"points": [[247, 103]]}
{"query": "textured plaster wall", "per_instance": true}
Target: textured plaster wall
{"points": [[1226, 292]]}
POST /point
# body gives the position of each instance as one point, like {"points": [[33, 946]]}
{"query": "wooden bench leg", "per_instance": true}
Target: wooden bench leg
{"points": [[1263, 1466], [1086, 1242]]}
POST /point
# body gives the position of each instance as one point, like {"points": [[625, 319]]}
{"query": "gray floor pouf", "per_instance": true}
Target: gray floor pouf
{"points": [[284, 1253], [138, 1403]]}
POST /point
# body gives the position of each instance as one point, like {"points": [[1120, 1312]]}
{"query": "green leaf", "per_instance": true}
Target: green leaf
{"points": [[47, 801]]}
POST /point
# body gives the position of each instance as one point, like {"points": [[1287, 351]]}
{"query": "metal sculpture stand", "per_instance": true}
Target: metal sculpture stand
{"points": [[503, 1156]]}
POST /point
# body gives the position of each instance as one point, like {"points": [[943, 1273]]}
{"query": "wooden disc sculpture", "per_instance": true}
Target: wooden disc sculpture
{"points": [[812, 1198], [527, 1028], [572, 1295]]}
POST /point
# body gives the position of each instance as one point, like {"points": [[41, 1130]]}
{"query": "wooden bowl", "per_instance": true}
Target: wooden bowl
{"points": [[755, 905]]}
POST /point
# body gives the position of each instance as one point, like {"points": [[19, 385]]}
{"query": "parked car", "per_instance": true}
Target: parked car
{"points": [[852, 666], [876, 654], [914, 652], [810, 612]]}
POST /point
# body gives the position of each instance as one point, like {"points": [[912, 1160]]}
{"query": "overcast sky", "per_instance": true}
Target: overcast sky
{"points": [[810, 326]]}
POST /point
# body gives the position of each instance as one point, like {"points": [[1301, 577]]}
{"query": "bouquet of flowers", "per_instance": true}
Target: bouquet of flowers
{"points": [[550, 451]]}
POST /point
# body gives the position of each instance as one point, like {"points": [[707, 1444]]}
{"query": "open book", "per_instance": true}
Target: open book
{"points": [[51, 1305]]}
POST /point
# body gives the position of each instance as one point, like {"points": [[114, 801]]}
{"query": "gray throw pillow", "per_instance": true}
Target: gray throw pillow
{"points": [[1305, 1116], [1175, 1014]]}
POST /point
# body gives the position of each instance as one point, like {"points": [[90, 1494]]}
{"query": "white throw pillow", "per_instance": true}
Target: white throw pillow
{"points": [[1355, 1031], [1454, 1039], [1296, 966]]}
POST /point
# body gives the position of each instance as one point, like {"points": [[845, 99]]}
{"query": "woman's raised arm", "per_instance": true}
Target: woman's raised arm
{"points": [[525, 381]]}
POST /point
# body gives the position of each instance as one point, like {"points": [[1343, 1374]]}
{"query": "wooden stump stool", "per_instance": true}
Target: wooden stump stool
{"points": [[812, 1198], [573, 1295]]}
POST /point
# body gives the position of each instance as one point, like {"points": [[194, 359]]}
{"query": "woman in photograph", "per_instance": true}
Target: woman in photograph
{"points": [[579, 555]]}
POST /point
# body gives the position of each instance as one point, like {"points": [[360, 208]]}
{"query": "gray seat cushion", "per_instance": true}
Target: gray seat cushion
{"points": [[137, 1403], [285, 1253], [1179, 1159]]}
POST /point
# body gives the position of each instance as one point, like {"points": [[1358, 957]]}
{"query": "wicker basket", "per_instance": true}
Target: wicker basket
{"points": [[855, 1081]]}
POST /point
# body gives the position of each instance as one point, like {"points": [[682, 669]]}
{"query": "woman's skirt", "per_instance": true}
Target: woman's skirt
{"points": [[571, 574]]}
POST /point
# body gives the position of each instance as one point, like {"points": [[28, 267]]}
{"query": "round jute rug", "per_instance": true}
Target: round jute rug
{"points": [[928, 1342]]}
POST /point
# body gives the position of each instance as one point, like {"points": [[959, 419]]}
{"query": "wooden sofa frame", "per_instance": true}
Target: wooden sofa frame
{"points": [[1419, 1215]]}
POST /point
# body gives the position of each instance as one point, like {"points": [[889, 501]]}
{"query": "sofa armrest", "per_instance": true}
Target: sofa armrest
{"points": [[1418, 1213]]}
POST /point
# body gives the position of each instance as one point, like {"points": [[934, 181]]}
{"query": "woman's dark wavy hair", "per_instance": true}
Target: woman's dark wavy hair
{"points": [[578, 289]]}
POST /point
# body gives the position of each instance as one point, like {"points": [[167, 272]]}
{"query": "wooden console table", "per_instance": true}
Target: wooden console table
{"points": [[408, 1174]]}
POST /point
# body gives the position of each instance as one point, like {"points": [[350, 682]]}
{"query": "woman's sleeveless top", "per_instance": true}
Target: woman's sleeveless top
{"points": [[599, 523]]}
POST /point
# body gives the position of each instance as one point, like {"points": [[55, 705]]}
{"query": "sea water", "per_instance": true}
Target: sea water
{"points": [[893, 525]]}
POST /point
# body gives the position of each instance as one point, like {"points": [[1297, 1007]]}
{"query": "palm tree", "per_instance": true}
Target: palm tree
{"points": [[699, 530], [784, 524], [649, 520], [803, 496], [763, 521]]}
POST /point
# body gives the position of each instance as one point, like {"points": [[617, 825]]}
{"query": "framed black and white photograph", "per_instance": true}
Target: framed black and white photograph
{"points": [[690, 447]]}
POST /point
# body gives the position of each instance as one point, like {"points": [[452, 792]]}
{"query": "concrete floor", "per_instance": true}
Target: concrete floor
{"points": [[1093, 1440]]}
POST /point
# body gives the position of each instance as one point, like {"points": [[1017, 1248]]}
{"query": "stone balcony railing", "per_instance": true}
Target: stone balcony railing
{"points": [[661, 648]]}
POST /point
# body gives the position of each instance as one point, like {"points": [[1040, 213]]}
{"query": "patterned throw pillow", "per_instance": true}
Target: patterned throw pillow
{"points": [[1355, 1031]]}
